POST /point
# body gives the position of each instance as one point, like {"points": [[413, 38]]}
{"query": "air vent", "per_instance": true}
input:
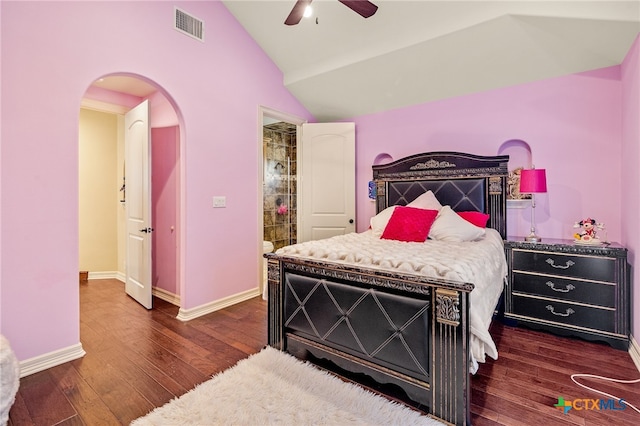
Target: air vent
{"points": [[189, 25]]}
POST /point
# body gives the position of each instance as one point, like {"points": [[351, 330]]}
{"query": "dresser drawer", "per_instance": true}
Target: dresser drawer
{"points": [[591, 293], [565, 313], [569, 265]]}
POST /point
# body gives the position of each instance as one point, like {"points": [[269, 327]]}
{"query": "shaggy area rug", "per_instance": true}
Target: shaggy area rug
{"points": [[272, 387]]}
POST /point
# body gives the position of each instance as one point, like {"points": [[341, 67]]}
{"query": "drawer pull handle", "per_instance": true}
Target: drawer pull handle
{"points": [[569, 311], [561, 290], [568, 265]]}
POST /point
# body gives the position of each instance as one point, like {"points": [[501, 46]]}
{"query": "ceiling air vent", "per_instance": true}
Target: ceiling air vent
{"points": [[189, 25]]}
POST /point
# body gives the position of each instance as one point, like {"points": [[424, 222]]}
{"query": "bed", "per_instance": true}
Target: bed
{"points": [[405, 316]]}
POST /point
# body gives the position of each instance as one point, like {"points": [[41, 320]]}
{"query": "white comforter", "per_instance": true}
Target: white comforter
{"points": [[479, 262]]}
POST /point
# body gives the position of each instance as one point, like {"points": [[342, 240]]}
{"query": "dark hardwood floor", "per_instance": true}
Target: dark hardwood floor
{"points": [[137, 360]]}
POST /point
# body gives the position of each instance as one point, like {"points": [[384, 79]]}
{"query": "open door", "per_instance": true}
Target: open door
{"points": [[328, 180], [138, 203]]}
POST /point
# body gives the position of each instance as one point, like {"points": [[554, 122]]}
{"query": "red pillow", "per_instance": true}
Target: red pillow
{"points": [[477, 218], [409, 224]]}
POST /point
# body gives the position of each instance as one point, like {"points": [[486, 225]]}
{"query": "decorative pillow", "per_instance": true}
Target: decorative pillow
{"points": [[477, 218], [409, 224], [448, 226], [426, 201], [379, 221]]}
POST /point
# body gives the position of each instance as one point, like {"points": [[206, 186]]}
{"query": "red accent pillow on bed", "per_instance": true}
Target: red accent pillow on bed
{"points": [[477, 218], [409, 224]]}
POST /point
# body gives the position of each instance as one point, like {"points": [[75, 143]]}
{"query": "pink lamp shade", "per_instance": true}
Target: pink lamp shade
{"points": [[533, 181]]}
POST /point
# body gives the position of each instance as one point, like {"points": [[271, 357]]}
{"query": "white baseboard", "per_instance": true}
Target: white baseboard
{"points": [[105, 275], [189, 314], [165, 295], [634, 351], [51, 359]]}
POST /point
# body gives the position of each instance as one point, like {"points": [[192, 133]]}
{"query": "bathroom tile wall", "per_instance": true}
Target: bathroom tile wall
{"points": [[280, 186]]}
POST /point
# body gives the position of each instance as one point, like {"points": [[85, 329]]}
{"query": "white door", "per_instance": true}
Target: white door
{"points": [[138, 202], [328, 173]]}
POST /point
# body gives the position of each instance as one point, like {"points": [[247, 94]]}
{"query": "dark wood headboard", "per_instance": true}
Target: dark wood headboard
{"points": [[466, 182]]}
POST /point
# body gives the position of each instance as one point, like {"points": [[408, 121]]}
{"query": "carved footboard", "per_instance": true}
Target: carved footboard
{"points": [[405, 330]]}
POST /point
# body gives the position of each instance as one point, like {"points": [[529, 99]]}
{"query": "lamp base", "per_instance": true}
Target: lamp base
{"points": [[533, 238]]}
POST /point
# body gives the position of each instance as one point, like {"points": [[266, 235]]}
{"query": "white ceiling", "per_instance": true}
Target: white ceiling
{"points": [[412, 52]]}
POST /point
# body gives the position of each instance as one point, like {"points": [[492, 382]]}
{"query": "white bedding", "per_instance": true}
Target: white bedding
{"points": [[479, 262]]}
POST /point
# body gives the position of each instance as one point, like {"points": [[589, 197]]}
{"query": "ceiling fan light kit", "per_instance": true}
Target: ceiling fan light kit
{"points": [[363, 8]]}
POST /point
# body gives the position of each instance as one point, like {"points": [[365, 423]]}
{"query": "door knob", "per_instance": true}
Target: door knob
{"points": [[145, 230], [350, 220]]}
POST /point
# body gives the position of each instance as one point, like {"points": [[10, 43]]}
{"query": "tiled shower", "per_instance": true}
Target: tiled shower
{"points": [[279, 184]]}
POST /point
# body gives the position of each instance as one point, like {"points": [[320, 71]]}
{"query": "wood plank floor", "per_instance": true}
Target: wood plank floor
{"points": [[137, 360]]}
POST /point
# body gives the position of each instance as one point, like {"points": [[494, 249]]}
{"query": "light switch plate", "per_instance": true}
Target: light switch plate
{"points": [[219, 201]]}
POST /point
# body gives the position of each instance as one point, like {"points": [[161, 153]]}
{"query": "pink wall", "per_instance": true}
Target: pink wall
{"points": [[165, 166], [583, 128], [163, 113], [630, 171], [571, 124], [216, 87]]}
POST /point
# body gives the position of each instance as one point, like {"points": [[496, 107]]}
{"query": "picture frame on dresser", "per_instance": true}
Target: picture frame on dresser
{"points": [[570, 289]]}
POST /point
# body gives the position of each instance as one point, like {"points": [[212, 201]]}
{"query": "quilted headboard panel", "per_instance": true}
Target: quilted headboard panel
{"points": [[460, 194], [466, 182]]}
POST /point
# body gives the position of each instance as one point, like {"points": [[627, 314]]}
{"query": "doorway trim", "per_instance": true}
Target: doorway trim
{"points": [[264, 112]]}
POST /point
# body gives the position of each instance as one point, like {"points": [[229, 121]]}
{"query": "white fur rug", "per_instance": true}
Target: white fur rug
{"points": [[9, 379], [272, 387]]}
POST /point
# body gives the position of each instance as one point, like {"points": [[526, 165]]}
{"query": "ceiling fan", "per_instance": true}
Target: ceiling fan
{"points": [[362, 7]]}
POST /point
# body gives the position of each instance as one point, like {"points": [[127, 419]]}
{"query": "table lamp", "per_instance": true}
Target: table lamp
{"points": [[533, 181]]}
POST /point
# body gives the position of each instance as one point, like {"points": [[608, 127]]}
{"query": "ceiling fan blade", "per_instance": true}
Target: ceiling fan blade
{"points": [[296, 13], [362, 7]]}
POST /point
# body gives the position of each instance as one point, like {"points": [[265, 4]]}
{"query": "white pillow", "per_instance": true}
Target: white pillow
{"points": [[379, 221], [449, 226], [426, 201]]}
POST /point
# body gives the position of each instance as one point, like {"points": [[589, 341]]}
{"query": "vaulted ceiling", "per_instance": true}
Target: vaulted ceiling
{"points": [[340, 65]]}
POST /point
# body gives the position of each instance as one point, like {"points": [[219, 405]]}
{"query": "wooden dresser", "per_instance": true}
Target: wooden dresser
{"points": [[570, 289]]}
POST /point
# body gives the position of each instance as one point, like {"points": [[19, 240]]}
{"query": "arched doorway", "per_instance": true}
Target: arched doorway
{"points": [[102, 178]]}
